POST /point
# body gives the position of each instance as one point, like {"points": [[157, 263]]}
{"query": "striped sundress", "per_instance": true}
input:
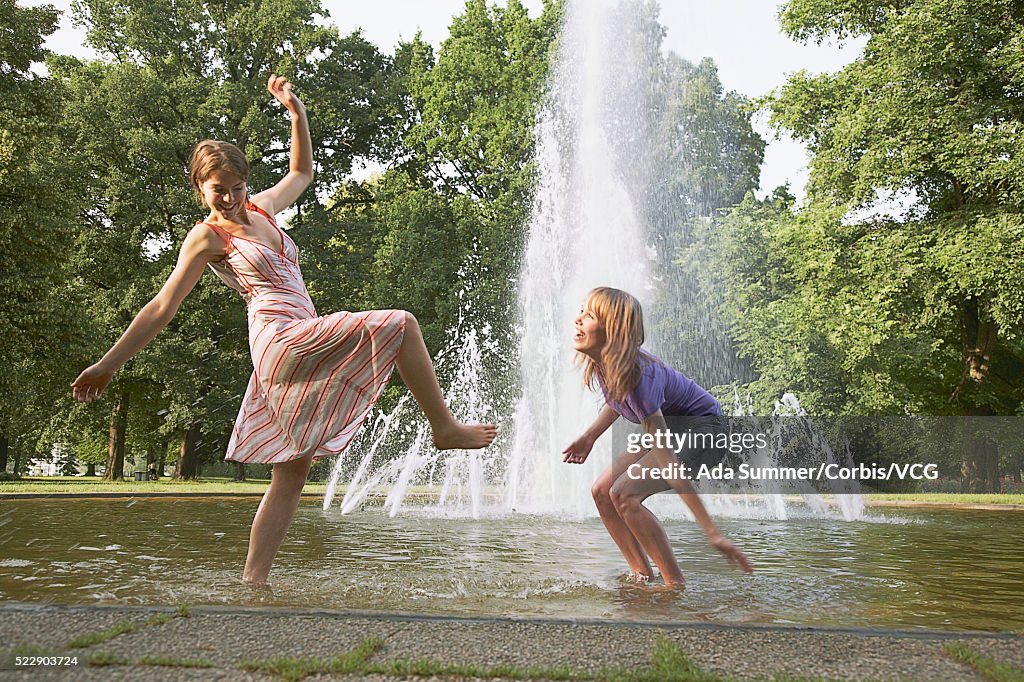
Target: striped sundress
{"points": [[314, 378]]}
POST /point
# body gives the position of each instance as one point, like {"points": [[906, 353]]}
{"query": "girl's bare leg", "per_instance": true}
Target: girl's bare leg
{"points": [[627, 495], [613, 521], [417, 371], [273, 517]]}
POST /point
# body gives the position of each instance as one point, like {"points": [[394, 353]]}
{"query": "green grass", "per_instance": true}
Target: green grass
{"points": [[668, 664], [89, 484], [427, 668], [157, 619], [293, 669], [997, 672], [102, 658], [94, 638], [951, 498], [172, 662], [45, 485]]}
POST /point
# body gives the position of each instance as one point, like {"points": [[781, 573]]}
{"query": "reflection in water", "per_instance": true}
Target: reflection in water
{"points": [[952, 570]]}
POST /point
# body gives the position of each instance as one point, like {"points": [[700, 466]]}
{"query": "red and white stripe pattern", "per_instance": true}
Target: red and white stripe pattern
{"points": [[315, 378]]}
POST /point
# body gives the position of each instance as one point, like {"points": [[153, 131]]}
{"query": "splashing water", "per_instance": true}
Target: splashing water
{"points": [[399, 454]]}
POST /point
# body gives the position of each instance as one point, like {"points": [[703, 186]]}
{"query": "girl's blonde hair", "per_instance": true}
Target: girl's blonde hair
{"points": [[212, 155], [623, 320]]}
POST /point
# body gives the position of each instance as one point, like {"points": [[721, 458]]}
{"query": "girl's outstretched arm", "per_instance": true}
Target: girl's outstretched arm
{"points": [[198, 249], [580, 448], [300, 167], [735, 557]]}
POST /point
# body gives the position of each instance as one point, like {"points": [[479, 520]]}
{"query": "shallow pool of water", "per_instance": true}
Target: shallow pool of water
{"points": [[955, 570]]}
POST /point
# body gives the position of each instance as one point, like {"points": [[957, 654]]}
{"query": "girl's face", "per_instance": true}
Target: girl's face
{"points": [[590, 336], [225, 193]]}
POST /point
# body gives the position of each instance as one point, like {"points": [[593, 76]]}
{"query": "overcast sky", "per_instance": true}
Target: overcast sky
{"points": [[741, 36]]}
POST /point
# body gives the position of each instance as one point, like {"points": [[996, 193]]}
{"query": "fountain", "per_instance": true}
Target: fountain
{"points": [[596, 146]]}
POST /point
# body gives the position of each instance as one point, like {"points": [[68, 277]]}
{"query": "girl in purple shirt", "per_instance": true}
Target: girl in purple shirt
{"points": [[641, 388]]}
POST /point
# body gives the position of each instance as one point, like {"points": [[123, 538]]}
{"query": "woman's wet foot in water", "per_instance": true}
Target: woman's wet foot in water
{"points": [[461, 436]]}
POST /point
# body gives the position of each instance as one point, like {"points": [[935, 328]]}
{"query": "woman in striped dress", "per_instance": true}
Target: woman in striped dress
{"points": [[315, 377]]}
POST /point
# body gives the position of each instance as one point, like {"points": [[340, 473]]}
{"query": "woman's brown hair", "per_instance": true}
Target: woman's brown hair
{"points": [[212, 155], [623, 320]]}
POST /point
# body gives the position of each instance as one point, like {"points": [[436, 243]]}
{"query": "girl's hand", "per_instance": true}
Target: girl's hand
{"points": [[578, 450], [281, 89], [91, 383], [732, 553]]}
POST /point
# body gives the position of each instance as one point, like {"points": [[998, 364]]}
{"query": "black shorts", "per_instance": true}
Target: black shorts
{"points": [[699, 440]]}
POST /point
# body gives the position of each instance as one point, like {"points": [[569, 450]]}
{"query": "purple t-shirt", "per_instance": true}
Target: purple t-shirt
{"points": [[663, 388]]}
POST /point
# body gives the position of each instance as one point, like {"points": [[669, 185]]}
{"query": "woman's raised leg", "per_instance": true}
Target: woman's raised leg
{"points": [[417, 371], [628, 494], [273, 517]]}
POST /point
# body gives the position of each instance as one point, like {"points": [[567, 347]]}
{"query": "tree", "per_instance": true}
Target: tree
{"points": [[917, 309], [706, 157], [471, 140], [38, 205]]}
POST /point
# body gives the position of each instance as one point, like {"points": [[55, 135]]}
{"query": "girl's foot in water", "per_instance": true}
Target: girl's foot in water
{"points": [[665, 587]]}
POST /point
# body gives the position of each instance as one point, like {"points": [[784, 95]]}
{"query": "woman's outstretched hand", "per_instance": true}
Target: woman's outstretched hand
{"points": [[281, 89], [732, 553], [578, 450], [91, 383]]}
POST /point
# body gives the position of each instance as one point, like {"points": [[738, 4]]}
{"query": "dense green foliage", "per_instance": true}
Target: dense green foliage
{"points": [[897, 288], [39, 202]]}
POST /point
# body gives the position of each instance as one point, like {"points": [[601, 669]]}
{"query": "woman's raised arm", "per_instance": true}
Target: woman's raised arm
{"points": [[198, 249], [300, 167]]}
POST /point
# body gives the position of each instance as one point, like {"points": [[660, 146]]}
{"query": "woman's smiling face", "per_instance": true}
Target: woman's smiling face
{"points": [[225, 193]]}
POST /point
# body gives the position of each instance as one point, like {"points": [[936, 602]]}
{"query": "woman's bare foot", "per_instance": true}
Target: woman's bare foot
{"points": [[461, 436], [666, 587]]}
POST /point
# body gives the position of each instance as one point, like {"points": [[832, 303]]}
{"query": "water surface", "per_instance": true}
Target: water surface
{"points": [[954, 570]]}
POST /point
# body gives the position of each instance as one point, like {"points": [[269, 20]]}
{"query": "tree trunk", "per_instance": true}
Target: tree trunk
{"points": [[4, 447], [188, 456], [980, 464], [992, 468], [972, 470], [162, 460], [115, 448], [1016, 464], [90, 469], [239, 471], [978, 336]]}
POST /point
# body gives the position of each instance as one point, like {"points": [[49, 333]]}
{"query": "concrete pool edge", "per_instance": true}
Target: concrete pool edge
{"points": [[286, 612], [228, 636]]}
